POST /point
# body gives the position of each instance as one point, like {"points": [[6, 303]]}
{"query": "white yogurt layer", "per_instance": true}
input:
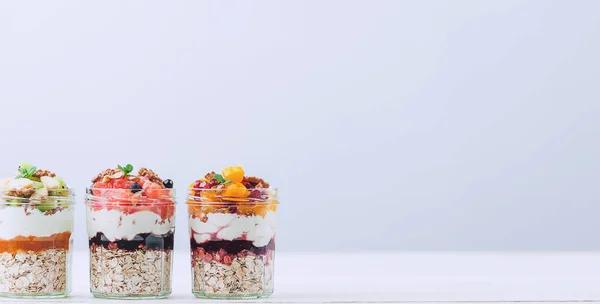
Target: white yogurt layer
{"points": [[14, 221], [116, 225], [228, 227]]}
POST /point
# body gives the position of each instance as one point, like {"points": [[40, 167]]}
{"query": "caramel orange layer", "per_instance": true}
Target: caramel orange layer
{"points": [[34, 243]]}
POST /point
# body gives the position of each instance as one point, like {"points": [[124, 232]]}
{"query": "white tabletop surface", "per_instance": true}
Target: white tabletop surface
{"points": [[404, 277]]}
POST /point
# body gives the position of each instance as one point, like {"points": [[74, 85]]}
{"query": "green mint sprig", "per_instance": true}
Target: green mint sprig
{"points": [[27, 172], [127, 169], [220, 178]]}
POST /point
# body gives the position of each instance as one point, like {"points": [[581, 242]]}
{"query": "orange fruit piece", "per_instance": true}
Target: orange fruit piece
{"points": [[273, 207], [234, 173], [209, 196], [246, 209], [260, 209], [236, 190]]}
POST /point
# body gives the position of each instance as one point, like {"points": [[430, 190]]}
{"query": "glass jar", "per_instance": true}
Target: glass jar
{"points": [[131, 243], [232, 244], [35, 245]]}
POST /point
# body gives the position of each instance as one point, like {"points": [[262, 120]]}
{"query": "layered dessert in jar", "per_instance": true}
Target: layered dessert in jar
{"points": [[131, 225], [232, 221], [36, 225]]}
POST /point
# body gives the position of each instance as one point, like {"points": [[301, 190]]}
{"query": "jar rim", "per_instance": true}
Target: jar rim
{"points": [[192, 199], [63, 200], [275, 190], [93, 200], [231, 203]]}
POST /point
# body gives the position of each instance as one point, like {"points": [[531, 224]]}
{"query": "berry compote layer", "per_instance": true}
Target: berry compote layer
{"points": [[36, 224], [131, 223], [232, 224]]}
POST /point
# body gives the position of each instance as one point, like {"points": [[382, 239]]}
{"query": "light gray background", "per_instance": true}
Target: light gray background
{"points": [[421, 125]]}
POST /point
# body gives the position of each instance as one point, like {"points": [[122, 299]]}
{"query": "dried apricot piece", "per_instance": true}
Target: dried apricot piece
{"points": [[234, 173], [273, 207], [260, 209], [235, 190], [245, 209], [209, 196]]}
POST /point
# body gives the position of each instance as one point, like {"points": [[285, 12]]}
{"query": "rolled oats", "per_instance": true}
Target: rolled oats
{"points": [[123, 272], [42, 272], [246, 275]]}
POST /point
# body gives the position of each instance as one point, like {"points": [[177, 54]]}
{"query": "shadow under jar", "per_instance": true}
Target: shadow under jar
{"points": [[35, 245], [131, 244], [232, 244]]}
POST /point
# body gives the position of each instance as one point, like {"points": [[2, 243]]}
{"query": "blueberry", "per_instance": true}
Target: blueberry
{"points": [[135, 188], [168, 183]]}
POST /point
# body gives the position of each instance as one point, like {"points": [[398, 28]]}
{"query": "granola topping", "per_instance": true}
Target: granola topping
{"points": [[39, 173], [210, 176], [253, 180], [19, 192], [151, 175], [106, 173]]}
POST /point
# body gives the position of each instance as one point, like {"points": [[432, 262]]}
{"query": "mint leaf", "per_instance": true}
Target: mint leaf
{"points": [[31, 171], [228, 182], [26, 172], [127, 169], [219, 178], [22, 174]]}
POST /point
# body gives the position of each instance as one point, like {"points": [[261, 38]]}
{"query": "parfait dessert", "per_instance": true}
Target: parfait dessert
{"points": [[130, 223], [36, 223], [232, 235]]}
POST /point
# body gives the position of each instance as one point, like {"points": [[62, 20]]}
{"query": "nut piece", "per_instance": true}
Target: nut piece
{"points": [[34, 272], [153, 177], [20, 192], [109, 173], [210, 176], [255, 181], [39, 173]]}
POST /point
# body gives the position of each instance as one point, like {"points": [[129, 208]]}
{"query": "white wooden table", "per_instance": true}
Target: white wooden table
{"points": [[403, 277]]}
